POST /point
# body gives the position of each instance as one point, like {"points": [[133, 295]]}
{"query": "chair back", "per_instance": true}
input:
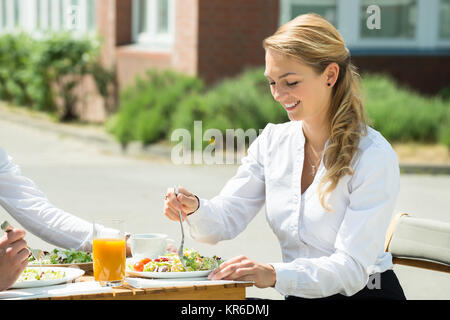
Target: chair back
{"points": [[421, 243]]}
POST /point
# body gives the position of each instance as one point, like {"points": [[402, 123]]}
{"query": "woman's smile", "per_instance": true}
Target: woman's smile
{"points": [[291, 106]]}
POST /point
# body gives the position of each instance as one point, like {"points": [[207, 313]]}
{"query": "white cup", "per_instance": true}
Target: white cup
{"points": [[149, 245]]}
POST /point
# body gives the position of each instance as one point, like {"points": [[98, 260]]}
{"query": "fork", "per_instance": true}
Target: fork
{"points": [[180, 249], [36, 253]]}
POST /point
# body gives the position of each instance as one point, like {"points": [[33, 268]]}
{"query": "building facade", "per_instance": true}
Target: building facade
{"points": [[215, 39]]}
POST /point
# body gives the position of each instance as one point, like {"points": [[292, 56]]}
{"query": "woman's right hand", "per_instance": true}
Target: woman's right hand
{"points": [[13, 257], [186, 201]]}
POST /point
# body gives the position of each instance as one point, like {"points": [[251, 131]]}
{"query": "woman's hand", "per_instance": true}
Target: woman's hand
{"points": [[186, 201], [13, 257], [242, 268]]}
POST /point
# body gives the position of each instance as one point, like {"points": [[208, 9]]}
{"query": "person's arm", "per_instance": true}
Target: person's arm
{"points": [[360, 239], [23, 200], [226, 215]]}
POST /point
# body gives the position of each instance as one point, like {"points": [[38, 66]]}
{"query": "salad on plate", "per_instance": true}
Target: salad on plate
{"points": [[170, 262], [32, 274], [60, 256], [46, 276]]}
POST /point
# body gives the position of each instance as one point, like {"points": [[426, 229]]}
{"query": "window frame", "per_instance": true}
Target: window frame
{"points": [[151, 39], [348, 22], [443, 42], [28, 17], [285, 10]]}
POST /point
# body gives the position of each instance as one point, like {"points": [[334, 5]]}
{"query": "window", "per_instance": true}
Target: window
{"points": [[293, 8], [16, 20], [90, 14], [45, 15], [444, 19], [4, 14], [10, 14], [398, 19], [153, 23]]}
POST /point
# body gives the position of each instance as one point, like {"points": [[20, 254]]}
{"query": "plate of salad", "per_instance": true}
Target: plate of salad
{"points": [[46, 276], [170, 266], [64, 258]]}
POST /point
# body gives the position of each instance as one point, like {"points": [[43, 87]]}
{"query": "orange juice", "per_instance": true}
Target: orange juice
{"points": [[109, 259]]}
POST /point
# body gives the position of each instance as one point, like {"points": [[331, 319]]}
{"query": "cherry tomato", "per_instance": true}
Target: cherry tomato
{"points": [[139, 266], [145, 261]]}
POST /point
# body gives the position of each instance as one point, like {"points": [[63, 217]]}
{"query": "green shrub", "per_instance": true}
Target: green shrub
{"points": [[402, 115], [161, 102], [30, 68], [244, 102], [445, 93], [62, 60], [147, 107], [15, 62]]}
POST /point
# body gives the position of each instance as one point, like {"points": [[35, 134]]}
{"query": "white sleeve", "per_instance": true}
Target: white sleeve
{"points": [[23, 200], [360, 239], [228, 214]]}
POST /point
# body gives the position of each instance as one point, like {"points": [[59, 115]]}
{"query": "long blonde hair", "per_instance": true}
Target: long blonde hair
{"points": [[315, 42]]}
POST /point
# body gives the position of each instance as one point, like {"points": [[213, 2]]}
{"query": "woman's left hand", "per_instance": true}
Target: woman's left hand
{"points": [[242, 268]]}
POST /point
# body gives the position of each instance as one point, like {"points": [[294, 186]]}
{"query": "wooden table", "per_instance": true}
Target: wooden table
{"points": [[233, 291]]}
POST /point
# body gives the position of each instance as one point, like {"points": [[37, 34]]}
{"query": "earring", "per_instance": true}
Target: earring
{"points": [[329, 84]]}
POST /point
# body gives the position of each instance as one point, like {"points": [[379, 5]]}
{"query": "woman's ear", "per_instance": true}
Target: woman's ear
{"points": [[331, 74]]}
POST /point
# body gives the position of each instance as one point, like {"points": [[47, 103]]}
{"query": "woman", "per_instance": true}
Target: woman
{"points": [[329, 182]]}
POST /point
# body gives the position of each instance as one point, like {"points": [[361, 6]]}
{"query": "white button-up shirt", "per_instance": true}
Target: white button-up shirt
{"points": [[324, 253], [23, 200]]}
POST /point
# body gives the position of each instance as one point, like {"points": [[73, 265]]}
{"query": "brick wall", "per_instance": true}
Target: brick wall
{"points": [[213, 39], [425, 74], [185, 52], [230, 35], [123, 25]]}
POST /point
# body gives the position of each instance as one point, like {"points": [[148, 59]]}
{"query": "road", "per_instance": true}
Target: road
{"points": [[93, 183]]}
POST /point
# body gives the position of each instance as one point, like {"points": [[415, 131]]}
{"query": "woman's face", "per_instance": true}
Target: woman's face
{"points": [[303, 93]]}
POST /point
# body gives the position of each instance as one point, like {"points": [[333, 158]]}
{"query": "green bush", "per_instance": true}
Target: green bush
{"points": [[445, 93], [402, 115], [161, 102], [15, 63], [62, 60], [30, 68], [244, 102], [147, 107]]}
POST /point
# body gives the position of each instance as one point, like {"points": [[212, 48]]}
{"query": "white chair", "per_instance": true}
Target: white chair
{"points": [[420, 243]]}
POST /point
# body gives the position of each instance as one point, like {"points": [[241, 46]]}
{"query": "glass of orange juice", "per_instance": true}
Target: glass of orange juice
{"points": [[109, 252]]}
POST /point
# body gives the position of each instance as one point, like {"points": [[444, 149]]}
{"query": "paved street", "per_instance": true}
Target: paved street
{"points": [[91, 183]]}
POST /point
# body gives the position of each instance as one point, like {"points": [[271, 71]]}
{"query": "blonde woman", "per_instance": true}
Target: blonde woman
{"points": [[328, 180]]}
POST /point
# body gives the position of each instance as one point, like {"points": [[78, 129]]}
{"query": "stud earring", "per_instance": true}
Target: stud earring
{"points": [[329, 84]]}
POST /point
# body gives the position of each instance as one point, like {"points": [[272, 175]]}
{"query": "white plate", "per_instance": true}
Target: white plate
{"points": [[167, 275], [71, 274]]}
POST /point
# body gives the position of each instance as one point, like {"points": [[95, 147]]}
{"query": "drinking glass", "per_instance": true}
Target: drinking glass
{"points": [[109, 252]]}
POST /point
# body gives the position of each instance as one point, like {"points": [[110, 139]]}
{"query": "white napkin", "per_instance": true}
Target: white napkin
{"points": [[62, 290], [141, 283]]}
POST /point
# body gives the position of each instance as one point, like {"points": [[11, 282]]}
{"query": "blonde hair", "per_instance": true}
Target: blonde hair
{"points": [[315, 42]]}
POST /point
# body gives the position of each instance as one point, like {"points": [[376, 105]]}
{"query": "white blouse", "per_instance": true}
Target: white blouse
{"points": [[23, 200], [324, 253]]}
